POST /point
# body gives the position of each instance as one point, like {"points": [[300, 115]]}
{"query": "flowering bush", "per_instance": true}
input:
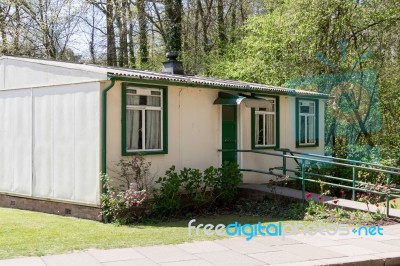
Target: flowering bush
{"points": [[134, 198], [121, 206]]}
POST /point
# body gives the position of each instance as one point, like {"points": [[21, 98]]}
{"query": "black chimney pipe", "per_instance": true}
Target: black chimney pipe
{"points": [[172, 66]]}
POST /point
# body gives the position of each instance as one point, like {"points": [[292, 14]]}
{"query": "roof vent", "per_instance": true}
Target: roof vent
{"points": [[172, 66]]}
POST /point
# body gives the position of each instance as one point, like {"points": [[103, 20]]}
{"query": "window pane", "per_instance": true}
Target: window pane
{"points": [[143, 100], [259, 130], [312, 104], [269, 129], [153, 129], [304, 109], [311, 130], [134, 130], [302, 129], [132, 99], [153, 101]]}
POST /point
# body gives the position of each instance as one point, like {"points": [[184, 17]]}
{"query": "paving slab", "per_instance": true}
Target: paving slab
{"points": [[230, 258], [350, 250], [310, 252], [202, 246], [138, 262], [187, 262], [243, 246], [370, 244], [115, 254], [276, 257], [363, 260], [32, 261], [161, 254], [318, 241], [76, 259]]}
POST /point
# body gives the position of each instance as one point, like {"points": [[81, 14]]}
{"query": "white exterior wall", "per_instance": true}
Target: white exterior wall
{"points": [[23, 73], [193, 130], [287, 127], [51, 142], [194, 133]]}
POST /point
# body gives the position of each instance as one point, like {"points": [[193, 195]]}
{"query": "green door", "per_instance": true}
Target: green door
{"points": [[229, 133]]}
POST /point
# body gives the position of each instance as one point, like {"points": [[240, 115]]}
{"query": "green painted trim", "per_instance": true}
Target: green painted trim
{"points": [[123, 120], [298, 145], [199, 85], [277, 124]]}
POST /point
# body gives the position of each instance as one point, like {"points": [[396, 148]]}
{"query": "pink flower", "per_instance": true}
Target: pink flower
{"points": [[308, 195], [335, 201]]}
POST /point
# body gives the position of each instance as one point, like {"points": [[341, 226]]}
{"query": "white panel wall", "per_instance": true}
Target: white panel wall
{"points": [[66, 142], [62, 143], [15, 141]]}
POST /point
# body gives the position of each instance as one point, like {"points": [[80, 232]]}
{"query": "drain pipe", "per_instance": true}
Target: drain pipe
{"points": [[104, 129]]}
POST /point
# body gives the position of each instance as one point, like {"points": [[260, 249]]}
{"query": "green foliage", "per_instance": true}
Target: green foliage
{"points": [[167, 200], [192, 189], [225, 186]]}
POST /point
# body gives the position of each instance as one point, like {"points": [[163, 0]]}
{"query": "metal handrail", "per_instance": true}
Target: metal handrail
{"points": [[353, 166], [342, 159]]}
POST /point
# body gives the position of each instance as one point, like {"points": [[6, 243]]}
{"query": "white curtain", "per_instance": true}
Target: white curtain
{"points": [[153, 124], [133, 124], [270, 129]]}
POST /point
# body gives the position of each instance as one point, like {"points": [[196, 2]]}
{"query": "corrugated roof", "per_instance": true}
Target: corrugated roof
{"points": [[215, 82], [197, 81]]}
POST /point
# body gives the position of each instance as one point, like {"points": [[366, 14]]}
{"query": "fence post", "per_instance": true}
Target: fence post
{"points": [[387, 194], [353, 197], [284, 163], [303, 181]]}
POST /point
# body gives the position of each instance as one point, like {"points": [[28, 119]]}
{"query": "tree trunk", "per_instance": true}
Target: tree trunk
{"points": [[124, 31], [221, 26], [111, 50], [143, 49], [131, 46], [173, 12]]}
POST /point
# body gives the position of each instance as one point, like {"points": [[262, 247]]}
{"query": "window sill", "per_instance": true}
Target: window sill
{"points": [[127, 153], [306, 145]]}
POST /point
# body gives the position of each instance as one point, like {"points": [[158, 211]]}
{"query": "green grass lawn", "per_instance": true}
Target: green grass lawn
{"points": [[25, 233]]}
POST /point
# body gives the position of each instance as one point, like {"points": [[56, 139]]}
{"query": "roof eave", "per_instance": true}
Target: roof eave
{"points": [[211, 85]]}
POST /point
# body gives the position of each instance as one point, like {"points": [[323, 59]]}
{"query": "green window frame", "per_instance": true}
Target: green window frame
{"points": [[265, 138], [307, 122], [144, 119]]}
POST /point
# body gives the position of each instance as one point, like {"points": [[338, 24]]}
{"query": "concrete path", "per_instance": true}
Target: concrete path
{"points": [[296, 194], [297, 250]]}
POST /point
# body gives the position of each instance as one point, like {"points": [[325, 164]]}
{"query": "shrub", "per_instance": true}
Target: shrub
{"points": [[121, 207], [193, 189], [133, 170], [126, 202]]}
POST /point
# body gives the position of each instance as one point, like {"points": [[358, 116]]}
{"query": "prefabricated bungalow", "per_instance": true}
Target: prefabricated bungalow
{"points": [[61, 124]]}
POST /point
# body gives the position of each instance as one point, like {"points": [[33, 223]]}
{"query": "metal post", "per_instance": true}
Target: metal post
{"points": [[284, 163], [353, 197], [303, 181], [387, 194]]}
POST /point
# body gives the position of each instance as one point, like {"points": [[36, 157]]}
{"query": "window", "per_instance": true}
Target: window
{"points": [[307, 122], [265, 124], [144, 126]]}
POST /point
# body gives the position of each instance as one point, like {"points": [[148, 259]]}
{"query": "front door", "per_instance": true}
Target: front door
{"points": [[229, 132]]}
